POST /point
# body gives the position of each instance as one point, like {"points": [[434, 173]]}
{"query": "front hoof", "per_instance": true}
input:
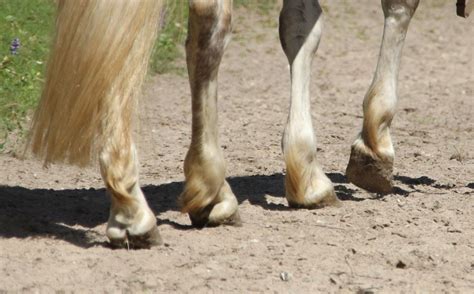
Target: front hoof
{"points": [[223, 210], [370, 172], [144, 241], [327, 198], [309, 187], [201, 220]]}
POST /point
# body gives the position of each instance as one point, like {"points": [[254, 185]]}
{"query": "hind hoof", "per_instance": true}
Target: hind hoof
{"points": [[145, 241], [369, 172]]}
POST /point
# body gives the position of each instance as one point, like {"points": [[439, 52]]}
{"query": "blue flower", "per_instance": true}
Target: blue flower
{"points": [[15, 46]]}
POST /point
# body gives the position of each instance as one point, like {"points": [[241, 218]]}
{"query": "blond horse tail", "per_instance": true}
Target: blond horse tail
{"points": [[94, 76]]}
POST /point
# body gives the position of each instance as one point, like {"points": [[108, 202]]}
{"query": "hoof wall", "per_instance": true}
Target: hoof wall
{"points": [[369, 173], [150, 239], [202, 220], [329, 200]]}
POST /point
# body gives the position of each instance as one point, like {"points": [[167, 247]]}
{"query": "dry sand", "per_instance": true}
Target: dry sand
{"points": [[419, 239]]}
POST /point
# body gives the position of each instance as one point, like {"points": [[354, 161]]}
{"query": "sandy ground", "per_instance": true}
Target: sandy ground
{"points": [[419, 239]]}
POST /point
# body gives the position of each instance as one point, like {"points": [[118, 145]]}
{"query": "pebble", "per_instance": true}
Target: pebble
{"points": [[284, 276]]}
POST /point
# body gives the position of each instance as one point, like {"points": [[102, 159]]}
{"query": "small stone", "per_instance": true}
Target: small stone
{"points": [[454, 230], [284, 276], [401, 264]]}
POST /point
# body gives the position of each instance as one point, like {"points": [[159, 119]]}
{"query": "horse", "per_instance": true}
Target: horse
{"points": [[95, 73]]}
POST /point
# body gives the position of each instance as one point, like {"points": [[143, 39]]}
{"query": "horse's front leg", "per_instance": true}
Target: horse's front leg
{"points": [[300, 31], [207, 196], [371, 162]]}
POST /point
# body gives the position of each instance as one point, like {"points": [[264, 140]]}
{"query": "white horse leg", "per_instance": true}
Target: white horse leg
{"points": [[371, 162], [306, 184], [207, 197], [131, 221]]}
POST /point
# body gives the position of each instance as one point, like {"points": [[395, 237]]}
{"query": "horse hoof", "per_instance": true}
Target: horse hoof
{"points": [[328, 199], [234, 220], [145, 241], [202, 220], [309, 188], [370, 173]]}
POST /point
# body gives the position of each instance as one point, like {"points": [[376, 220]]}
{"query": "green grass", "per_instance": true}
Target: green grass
{"points": [[21, 75], [171, 38], [262, 6], [32, 21]]}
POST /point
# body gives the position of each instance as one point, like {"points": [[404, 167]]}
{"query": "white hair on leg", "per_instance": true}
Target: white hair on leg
{"points": [[306, 184]]}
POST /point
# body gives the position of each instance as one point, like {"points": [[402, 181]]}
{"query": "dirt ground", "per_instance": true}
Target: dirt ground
{"points": [[418, 239]]}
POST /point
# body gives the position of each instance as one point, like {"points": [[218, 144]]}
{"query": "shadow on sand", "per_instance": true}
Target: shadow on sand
{"points": [[26, 213]]}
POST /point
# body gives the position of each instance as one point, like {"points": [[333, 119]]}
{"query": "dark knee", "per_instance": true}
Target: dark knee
{"points": [[202, 6], [297, 20], [209, 20], [208, 32]]}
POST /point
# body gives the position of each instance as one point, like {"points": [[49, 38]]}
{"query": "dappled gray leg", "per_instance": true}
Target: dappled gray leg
{"points": [[207, 197]]}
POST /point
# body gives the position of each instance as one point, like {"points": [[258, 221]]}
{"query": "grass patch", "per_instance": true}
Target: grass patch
{"points": [[21, 75], [262, 6], [173, 32]]}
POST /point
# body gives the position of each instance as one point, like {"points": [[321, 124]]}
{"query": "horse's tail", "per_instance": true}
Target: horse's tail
{"points": [[94, 76]]}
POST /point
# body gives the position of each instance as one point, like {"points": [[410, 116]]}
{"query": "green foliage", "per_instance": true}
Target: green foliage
{"points": [[172, 35], [263, 6], [21, 75]]}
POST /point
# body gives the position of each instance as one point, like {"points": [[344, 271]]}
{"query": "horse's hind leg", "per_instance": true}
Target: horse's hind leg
{"points": [[207, 196], [131, 222], [94, 76], [371, 162], [300, 31]]}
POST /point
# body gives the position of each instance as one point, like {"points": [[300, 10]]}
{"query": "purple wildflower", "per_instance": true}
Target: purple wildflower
{"points": [[15, 46]]}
